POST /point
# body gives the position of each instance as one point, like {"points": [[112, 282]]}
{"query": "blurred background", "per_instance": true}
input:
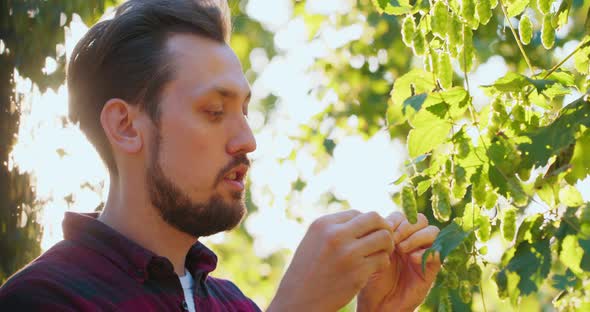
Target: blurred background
{"points": [[321, 72]]}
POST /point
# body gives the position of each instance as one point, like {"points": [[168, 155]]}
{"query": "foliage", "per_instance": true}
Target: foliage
{"points": [[501, 171], [487, 164], [30, 32]]}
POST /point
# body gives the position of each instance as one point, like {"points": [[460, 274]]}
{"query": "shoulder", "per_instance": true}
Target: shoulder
{"points": [[226, 291], [33, 289], [47, 283]]}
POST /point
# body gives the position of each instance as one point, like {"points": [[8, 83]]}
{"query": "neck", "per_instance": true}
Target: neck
{"points": [[131, 213]]}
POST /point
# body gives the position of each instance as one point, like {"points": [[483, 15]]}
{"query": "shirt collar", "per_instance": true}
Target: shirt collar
{"points": [[139, 262]]}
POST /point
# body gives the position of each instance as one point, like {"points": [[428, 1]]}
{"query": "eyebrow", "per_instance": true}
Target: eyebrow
{"points": [[226, 93]]}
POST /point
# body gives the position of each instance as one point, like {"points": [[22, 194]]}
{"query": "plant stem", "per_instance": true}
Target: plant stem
{"points": [[526, 58], [582, 44], [483, 298]]}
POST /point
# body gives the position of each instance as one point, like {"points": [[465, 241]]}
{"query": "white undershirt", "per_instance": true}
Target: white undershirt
{"points": [[188, 284]]}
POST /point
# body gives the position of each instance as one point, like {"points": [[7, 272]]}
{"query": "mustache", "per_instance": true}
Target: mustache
{"points": [[239, 160]]}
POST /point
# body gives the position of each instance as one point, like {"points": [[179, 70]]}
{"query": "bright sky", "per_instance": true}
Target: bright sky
{"points": [[360, 173]]}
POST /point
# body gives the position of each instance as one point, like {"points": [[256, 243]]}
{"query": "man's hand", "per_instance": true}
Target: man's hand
{"points": [[334, 261], [402, 286]]}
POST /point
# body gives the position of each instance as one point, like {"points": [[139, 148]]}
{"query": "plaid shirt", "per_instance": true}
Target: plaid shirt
{"points": [[96, 268]]}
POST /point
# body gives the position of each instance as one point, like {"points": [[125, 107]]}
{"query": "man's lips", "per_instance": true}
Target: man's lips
{"points": [[235, 177]]}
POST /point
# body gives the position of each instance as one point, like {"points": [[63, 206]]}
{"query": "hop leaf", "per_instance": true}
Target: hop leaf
{"points": [[455, 32], [419, 43], [515, 7], [439, 21], [409, 204], [441, 203], [547, 33], [509, 224], [447, 240], [544, 6], [466, 57], [408, 30], [474, 274], [468, 13], [484, 11], [465, 291], [525, 29], [484, 230], [444, 70]]}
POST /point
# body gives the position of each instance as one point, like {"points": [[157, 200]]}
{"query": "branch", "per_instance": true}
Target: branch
{"points": [[526, 58]]}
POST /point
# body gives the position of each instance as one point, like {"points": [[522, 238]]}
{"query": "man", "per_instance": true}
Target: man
{"points": [[164, 100]]}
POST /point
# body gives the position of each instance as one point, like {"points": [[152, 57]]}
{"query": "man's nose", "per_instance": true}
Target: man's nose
{"points": [[242, 141]]}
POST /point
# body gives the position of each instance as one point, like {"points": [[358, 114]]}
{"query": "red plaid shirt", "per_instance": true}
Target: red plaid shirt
{"points": [[97, 269]]}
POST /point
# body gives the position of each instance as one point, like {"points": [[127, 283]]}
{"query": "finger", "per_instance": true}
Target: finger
{"points": [[375, 242], [433, 264], [376, 263], [433, 258], [340, 217], [395, 219], [421, 238], [406, 228], [366, 223]]}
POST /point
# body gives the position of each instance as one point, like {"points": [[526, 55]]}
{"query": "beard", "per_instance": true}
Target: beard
{"points": [[194, 218]]}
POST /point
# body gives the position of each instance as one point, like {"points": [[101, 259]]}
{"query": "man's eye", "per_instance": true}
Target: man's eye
{"points": [[216, 114]]}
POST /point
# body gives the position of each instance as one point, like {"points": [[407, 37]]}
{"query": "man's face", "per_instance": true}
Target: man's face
{"points": [[198, 150]]}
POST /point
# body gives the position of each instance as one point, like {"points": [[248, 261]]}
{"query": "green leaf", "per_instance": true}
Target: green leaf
{"points": [[565, 78], [439, 109], [392, 7], [414, 102], [532, 263], [570, 196], [447, 240], [423, 186], [585, 262], [511, 82], [580, 162], [543, 143], [515, 7], [582, 59], [424, 139], [561, 16], [329, 146], [571, 254], [529, 227], [454, 103], [497, 180], [400, 179], [565, 281], [585, 220], [541, 84], [417, 79]]}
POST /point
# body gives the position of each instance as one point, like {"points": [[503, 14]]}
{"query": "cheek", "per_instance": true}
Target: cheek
{"points": [[190, 155]]}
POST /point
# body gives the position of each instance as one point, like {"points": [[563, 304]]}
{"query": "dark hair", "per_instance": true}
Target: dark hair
{"points": [[125, 57]]}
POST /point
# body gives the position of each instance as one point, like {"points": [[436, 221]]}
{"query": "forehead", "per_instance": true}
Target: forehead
{"points": [[200, 63]]}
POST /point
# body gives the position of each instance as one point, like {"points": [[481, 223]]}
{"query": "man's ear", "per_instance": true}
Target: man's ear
{"points": [[119, 121]]}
